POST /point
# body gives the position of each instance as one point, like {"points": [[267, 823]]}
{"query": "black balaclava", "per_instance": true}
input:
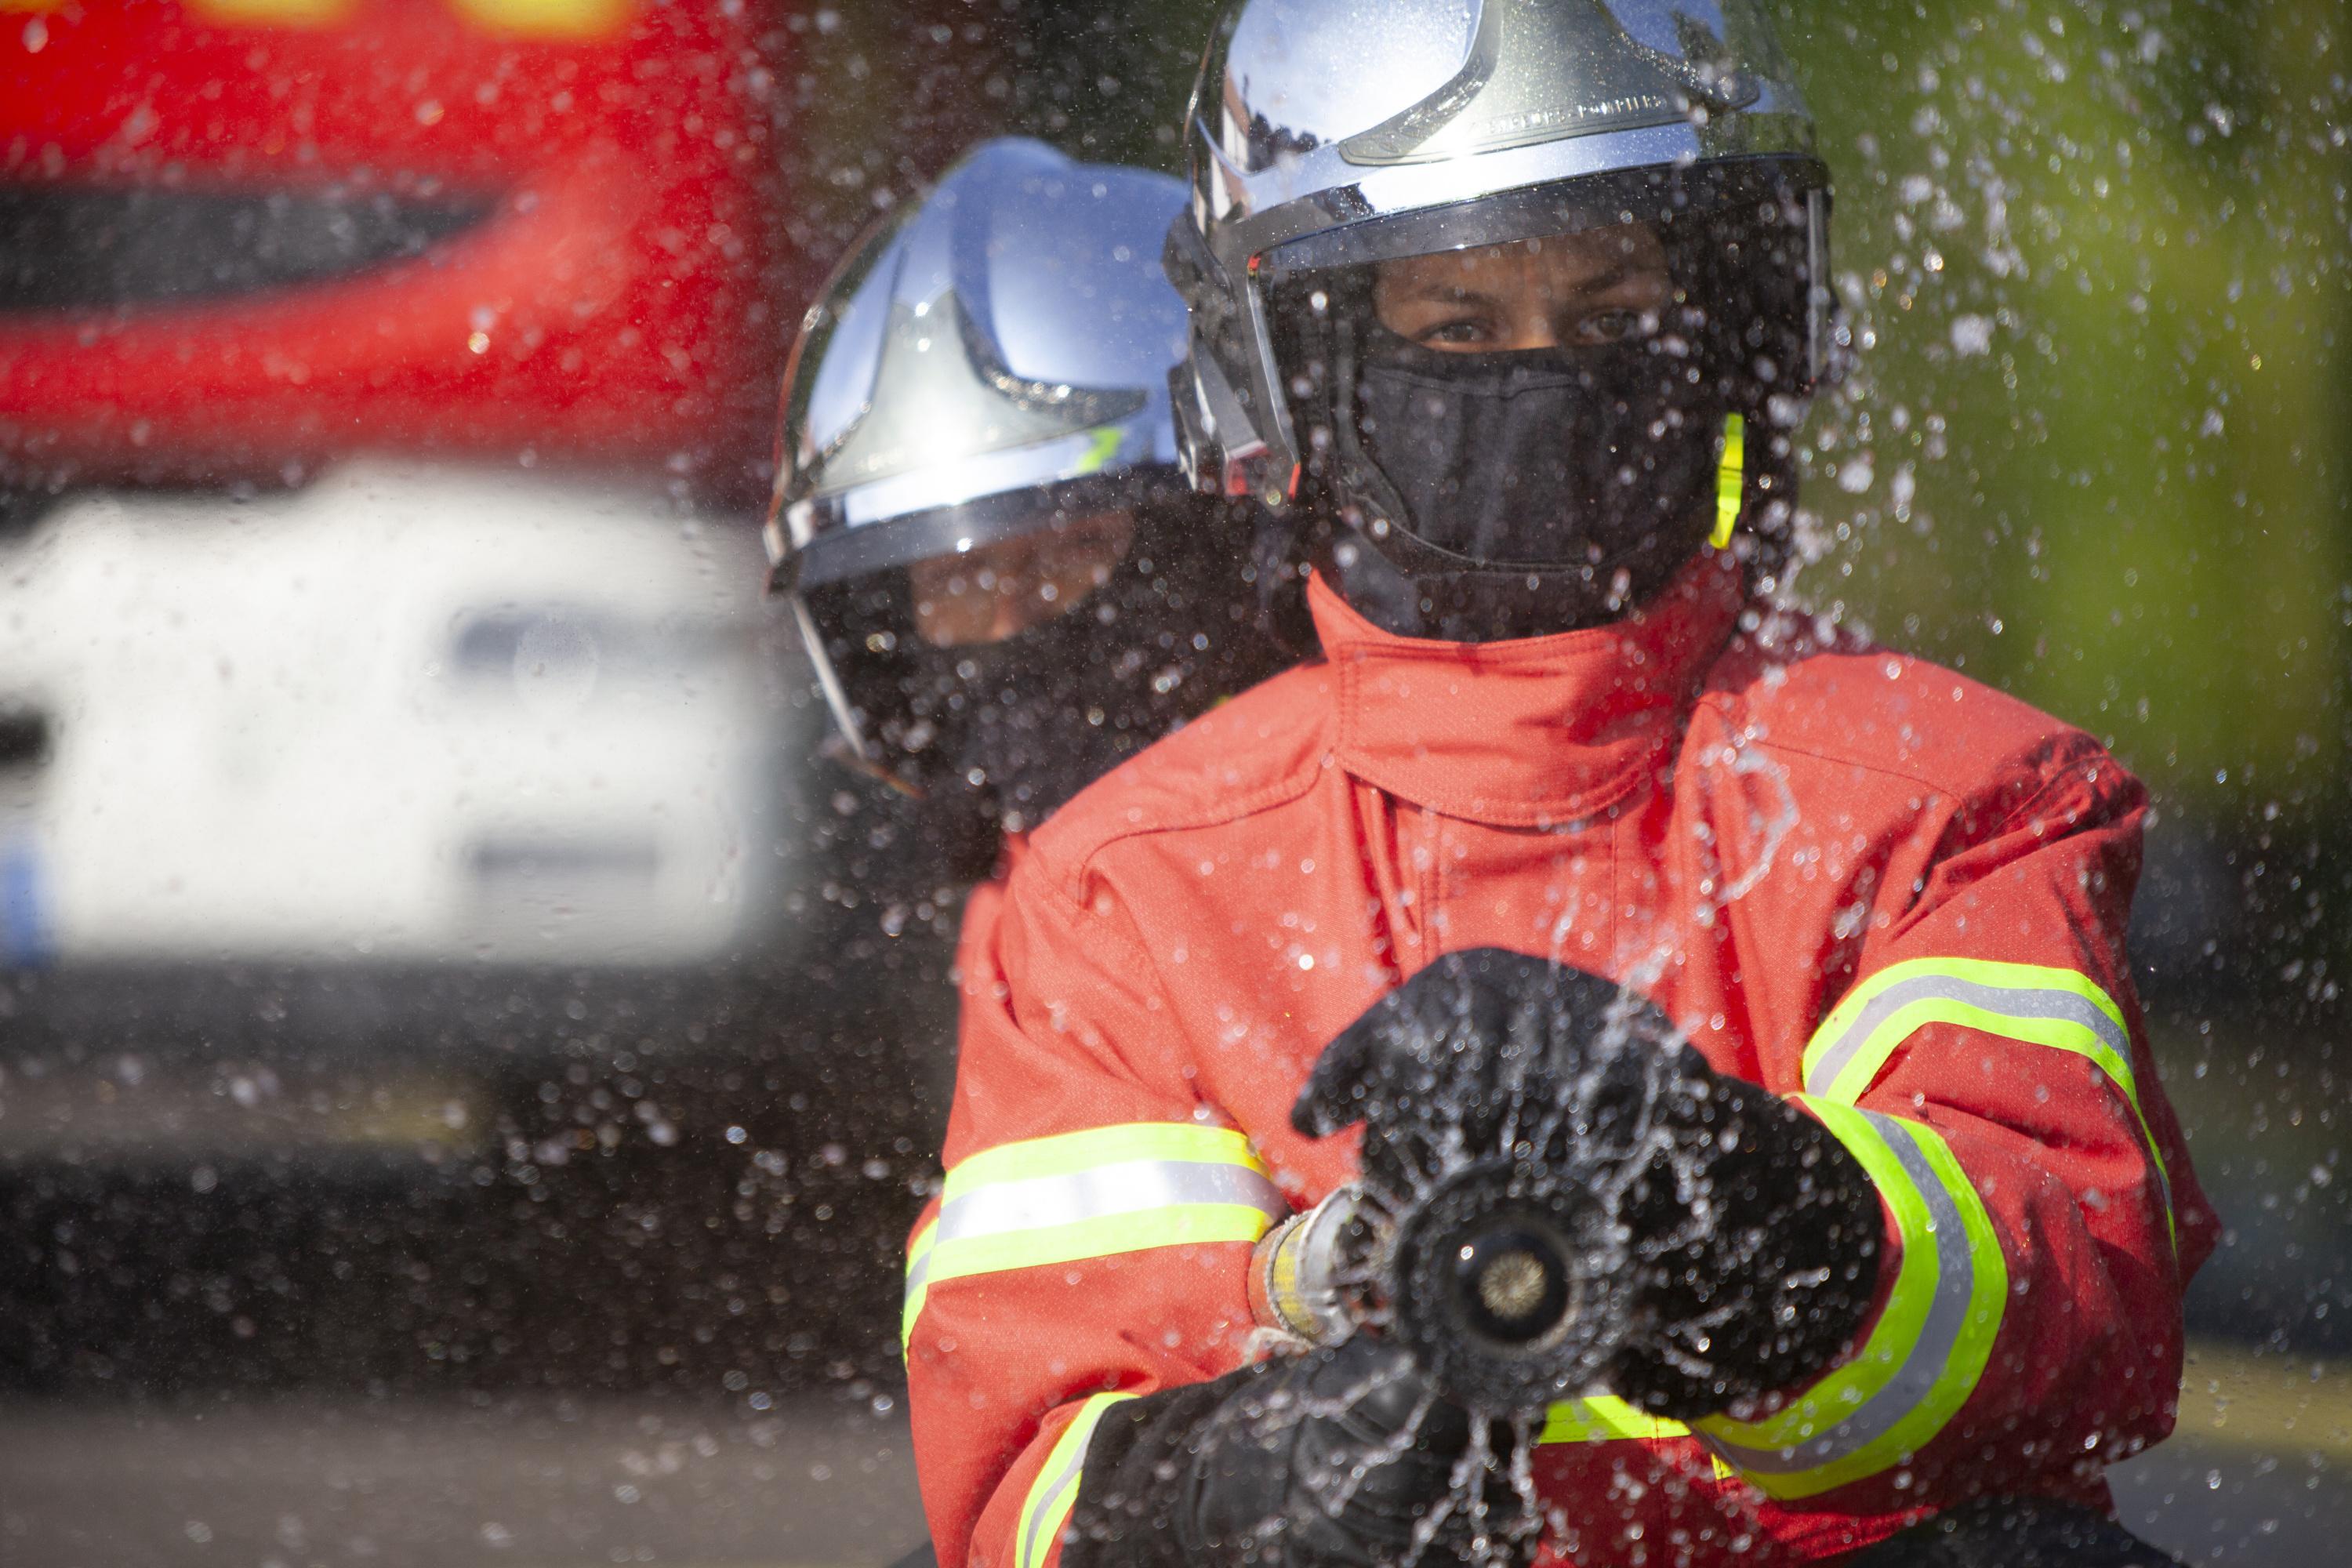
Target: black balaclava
{"points": [[1074, 698], [1484, 496], [1601, 458], [1535, 491]]}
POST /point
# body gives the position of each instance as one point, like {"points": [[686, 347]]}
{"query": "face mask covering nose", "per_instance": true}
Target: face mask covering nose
{"points": [[1594, 457]]}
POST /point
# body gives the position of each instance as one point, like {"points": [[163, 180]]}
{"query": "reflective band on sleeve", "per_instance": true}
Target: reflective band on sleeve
{"points": [[1605, 1418], [1041, 1203], [1731, 479], [1930, 1345], [1050, 1495], [2057, 1008], [1095, 1193], [918, 1278], [1071, 1154]]}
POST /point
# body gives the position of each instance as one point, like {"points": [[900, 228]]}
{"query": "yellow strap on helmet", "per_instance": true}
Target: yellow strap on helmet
{"points": [[1731, 479]]}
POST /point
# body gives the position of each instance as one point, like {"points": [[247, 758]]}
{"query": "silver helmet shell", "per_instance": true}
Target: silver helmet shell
{"points": [[1005, 333], [984, 362], [1328, 134]]}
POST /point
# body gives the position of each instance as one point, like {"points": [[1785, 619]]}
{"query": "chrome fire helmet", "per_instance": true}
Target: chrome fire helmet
{"points": [[996, 564], [1345, 152]]}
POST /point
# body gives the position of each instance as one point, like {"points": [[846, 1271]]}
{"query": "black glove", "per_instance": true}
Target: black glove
{"points": [[1258, 1470], [1751, 1235]]}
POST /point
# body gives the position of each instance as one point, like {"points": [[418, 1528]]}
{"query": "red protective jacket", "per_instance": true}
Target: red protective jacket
{"points": [[1852, 878]]}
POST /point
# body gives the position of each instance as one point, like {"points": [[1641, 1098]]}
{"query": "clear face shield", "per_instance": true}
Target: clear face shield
{"points": [[937, 618]]}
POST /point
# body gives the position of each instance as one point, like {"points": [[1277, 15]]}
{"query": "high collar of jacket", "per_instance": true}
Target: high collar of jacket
{"points": [[1532, 732]]}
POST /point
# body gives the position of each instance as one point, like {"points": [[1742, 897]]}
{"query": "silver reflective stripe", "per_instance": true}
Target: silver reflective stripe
{"points": [[1129, 1187], [919, 1272], [1050, 1489], [2022, 1003], [1045, 1510], [1947, 1315]]}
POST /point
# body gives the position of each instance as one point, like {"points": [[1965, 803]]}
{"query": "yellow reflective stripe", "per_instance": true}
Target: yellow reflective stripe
{"points": [[1070, 1153], [1191, 1224], [919, 1279], [1731, 479], [2057, 1008], [1864, 1028], [1092, 1194], [1605, 1418], [1047, 1507], [1929, 1346], [1906, 1303]]}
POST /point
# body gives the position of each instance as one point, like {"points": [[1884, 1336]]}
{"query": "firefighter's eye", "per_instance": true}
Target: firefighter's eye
{"points": [[1466, 332], [1612, 326]]}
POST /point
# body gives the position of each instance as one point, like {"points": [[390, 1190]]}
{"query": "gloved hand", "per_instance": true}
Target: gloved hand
{"points": [[1259, 1469], [1752, 1235]]}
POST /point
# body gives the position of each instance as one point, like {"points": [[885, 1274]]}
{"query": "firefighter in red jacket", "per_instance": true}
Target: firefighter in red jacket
{"points": [[1788, 968]]}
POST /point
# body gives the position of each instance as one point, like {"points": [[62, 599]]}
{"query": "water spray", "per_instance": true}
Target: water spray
{"points": [[1524, 1168]]}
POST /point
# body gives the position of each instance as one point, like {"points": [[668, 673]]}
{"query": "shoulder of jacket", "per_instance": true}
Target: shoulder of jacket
{"points": [[1794, 687], [1248, 754]]}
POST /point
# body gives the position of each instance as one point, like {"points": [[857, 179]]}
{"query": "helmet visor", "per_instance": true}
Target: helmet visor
{"points": [[1747, 240], [987, 586], [1779, 191], [1724, 293], [1027, 664], [890, 628]]}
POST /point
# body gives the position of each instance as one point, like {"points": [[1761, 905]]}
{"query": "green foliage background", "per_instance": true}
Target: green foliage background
{"points": [[2130, 504]]}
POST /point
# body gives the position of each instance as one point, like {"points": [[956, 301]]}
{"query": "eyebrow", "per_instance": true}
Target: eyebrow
{"points": [[1454, 294], [1611, 279], [1450, 294]]}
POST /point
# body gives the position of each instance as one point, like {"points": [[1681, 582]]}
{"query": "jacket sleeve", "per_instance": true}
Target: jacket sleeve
{"points": [[1093, 1234], [1988, 1065]]}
